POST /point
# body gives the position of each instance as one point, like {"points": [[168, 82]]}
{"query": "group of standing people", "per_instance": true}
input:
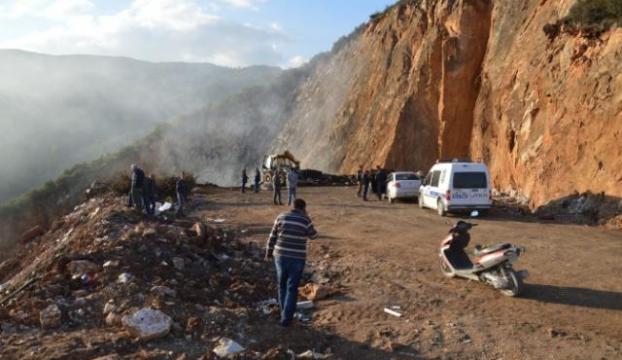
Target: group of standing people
{"points": [[292, 176], [374, 179], [144, 191], [255, 184]]}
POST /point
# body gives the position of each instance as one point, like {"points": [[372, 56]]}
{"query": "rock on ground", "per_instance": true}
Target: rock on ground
{"points": [[50, 317], [148, 324]]}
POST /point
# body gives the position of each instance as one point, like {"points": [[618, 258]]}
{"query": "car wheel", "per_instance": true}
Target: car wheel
{"points": [[440, 208]]}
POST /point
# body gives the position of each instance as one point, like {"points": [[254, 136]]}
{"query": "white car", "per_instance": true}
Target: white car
{"points": [[403, 184], [453, 186]]}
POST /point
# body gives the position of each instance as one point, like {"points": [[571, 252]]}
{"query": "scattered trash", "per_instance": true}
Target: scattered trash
{"points": [[50, 317], [124, 278], [124, 269], [147, 324], [392, 312], [165, 207], [217, 221], [111, 264], [304, 305], [310, 354], [227, 348], [88, 279], [302, 317], [267, 307], [313, 291]]}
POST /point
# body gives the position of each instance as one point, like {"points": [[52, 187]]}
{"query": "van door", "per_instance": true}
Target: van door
{"points": [[470, 188], [431, 193]]}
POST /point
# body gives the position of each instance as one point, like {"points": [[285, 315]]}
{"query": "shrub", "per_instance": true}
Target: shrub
{"points": [[601, 13]]}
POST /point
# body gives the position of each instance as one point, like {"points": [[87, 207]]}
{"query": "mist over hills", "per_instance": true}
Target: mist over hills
{"points": [[57, 111]]}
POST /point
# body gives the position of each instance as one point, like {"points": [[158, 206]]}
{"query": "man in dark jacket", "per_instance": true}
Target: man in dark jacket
{"points": [[244, 180], [136, 187], [181, 187], [381, 182], [150, 194], [276, 184], [287, 244], [257, 179]]}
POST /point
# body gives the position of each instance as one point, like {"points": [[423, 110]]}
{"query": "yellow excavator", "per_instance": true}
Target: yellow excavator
{"points": [[278, 162]]}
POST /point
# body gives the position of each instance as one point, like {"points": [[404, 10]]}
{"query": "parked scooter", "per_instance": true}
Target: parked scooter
{"points": [[491, 265]]}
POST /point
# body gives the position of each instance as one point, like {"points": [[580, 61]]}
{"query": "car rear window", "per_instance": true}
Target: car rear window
{"points": [[470, 180], [406, 177]]}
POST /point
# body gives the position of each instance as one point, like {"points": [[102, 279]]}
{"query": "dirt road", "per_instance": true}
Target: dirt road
{"points": [[384, 254]]}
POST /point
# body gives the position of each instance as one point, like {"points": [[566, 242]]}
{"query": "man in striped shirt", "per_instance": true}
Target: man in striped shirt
{"points": [[288, 246]]}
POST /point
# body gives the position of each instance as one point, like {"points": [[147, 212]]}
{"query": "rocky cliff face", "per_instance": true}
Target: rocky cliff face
{"points": [[549, 113], [457, 78]]}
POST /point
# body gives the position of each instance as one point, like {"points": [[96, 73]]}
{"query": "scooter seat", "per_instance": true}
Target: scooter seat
{"points": [[491, 249]]}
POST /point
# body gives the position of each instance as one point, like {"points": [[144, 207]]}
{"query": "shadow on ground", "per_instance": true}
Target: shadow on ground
{"points": [[597, 299]]}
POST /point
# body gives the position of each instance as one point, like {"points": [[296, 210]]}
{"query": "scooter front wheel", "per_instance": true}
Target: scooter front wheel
{"points": [[445, 268], [515, 284]]}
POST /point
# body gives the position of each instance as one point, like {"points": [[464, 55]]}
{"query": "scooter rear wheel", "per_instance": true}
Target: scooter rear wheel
{"points": [[445, 269], [515, 283]]}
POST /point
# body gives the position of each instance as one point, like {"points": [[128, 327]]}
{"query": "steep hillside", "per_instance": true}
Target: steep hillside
{"points": [[61, 110], [480, 78], [213, 143]]}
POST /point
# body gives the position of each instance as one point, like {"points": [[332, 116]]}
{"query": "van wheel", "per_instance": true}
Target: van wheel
{"points": [[440, 208], [390, 199], [420, 200]]}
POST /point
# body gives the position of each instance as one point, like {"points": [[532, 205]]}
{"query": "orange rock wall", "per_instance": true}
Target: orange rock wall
{"points": [[478, 78]]}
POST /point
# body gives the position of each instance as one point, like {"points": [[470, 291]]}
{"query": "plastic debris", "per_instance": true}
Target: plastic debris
{"points": [[111, 263], [310, 354], [227, 348], [304, 305], [124, 278], [165, 207], [392, 312]]}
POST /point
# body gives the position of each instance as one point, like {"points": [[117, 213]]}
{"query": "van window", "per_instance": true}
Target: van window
{"points": [[470, 180], [406, 177], [435, 177], [427, 179], [442, 178]]}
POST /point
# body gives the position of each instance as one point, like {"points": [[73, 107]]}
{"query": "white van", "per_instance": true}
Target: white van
{"points": [[456, 186]]}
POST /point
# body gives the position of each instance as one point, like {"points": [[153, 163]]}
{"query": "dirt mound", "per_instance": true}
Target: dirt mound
{"points": [[587, 208], [108, 280]]}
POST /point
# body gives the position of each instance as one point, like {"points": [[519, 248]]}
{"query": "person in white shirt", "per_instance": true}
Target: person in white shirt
{"points": [[292, 185]]}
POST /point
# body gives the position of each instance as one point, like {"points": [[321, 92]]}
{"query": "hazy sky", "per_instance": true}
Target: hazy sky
{"points": [[225, 32]]}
